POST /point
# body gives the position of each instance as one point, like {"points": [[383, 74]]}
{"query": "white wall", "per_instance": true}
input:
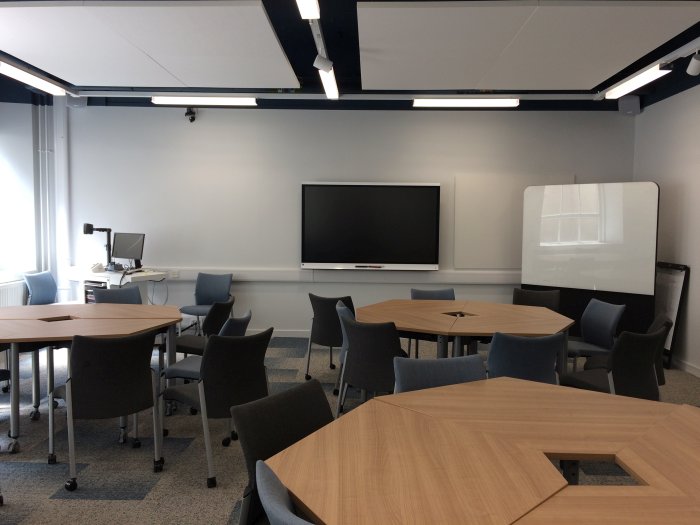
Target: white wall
{"points": [[667, 151], [223, 193]]}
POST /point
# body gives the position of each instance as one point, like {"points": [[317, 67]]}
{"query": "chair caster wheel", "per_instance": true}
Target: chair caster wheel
{"points": [[52, 459], [211, 482], [332, 367], [5, 389], [234, 435], [226, 442], [158, 465], [71, 485], [307, 377], [13, 447], [165, 432], [122, 437], [34, 415], [193, 411], [335, 391], [136, 443], [55, 403]]}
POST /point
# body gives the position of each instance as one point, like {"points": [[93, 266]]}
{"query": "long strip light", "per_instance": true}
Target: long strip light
{"points": [[636, 82], [329, 84], [203, 101], [32, 80], [466, 102], [308, 9]]}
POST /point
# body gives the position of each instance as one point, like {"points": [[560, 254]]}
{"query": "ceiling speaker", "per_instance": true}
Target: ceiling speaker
{"points": [[629, 105]]}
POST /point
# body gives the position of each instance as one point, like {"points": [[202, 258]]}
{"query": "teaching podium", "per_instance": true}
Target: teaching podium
{"points": [[88, 281]]}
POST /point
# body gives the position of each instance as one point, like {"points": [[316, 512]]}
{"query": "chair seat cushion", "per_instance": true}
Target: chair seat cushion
{"points": [[186, 394], [187, 368], [190, 344], [199, 310], [596, 361], [596, 380], [579, 348]]}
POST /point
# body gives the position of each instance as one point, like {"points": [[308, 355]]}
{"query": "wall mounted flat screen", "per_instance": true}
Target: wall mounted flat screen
{"points": [[128, 246], [591, 236], [370, 226]]}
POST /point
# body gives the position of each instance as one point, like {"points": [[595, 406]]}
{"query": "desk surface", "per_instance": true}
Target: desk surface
{"points": [[479, 453], [76, 273], [473, 319]]}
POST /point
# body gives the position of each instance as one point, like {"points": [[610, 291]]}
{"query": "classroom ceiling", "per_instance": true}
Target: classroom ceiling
{"points": [[553, 54]]}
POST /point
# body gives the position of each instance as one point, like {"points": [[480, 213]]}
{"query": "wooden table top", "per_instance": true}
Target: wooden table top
{"points": [[474, 318], [480, 453], [60, 322]]}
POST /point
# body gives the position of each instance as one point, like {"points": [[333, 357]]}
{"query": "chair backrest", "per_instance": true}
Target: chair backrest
{"points": [[41, 287], [233, 371], [417, 374], [126, 295], [599, 322], [325, 327], [660, 321], [531, 358], [632, 363], [344, 313], [546, 298], [216, 317], [447, 294], [275, 497], [369, 364], [111, 377], [236, 325], [271, 424], [212, 288]]}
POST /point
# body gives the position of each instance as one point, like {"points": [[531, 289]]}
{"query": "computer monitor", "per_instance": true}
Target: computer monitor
{"points": [[128, 246]]}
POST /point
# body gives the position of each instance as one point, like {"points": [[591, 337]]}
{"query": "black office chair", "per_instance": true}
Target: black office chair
{"points": [[275, 497], [598, 328], [369, 363], [208, 289], [271, 424], [443, 294], [631, 367], [232, 373], [110, 377], [545, 298], [412, 374], [211, 325], [530, 358], [126, 295], [343, 313], [325, 326]]}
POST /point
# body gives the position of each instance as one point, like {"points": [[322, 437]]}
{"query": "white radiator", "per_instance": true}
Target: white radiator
{"points": [[12, 293]]}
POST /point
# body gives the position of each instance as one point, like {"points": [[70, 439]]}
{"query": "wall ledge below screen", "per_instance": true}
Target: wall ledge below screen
{"points": [[351, 276]]}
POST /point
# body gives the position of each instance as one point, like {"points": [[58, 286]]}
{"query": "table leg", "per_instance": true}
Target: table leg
{"points": [[457, 346], [14, 391], [442, 347], [49, 391], [170, 357]]}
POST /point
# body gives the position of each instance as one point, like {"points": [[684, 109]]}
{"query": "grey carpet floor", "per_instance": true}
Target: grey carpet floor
{"points": [[117, 483]]}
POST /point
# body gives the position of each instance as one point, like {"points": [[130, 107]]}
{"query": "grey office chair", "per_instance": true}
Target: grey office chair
{"points": [[208, 289], [343, 313], [369, 363], [443, 294], [126, 295], [531, 358], [271, 424], [598, 328], [41, 289], [109, 377], [232, 373], [275, 497], [213, 321], [189, 367], [412, 374], [325, 326], [631, 367]]}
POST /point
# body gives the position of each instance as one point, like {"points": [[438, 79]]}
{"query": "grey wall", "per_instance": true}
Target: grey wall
{"points": [[223, 193], [667, 152]]}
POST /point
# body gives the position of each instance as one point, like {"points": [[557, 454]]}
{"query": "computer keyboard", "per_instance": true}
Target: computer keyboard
{"points": [[133, 270]]}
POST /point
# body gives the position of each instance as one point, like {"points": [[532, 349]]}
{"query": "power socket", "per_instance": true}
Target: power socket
{"points": [[174, 274]]}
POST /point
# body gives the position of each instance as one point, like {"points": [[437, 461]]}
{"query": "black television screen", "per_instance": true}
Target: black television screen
{"points": [[128, 246], [370, 226]]}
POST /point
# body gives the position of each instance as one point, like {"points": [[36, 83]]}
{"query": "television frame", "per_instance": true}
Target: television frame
{"points": [[377, 263]]}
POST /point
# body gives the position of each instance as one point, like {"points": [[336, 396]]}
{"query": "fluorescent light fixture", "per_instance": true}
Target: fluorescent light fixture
{"points": [[329, 85], [636, 82], [204, 101], [32, 80], [308, 9], [466, 102]]}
